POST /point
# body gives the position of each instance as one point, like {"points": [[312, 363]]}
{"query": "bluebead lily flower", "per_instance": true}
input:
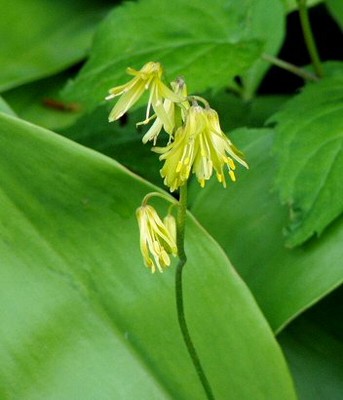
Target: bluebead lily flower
{"points": [[179, 88], [149, 77], [156, 241], [199, 146]]}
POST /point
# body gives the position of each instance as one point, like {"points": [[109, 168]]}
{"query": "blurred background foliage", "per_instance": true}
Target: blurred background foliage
{"points": [[79, 315]]}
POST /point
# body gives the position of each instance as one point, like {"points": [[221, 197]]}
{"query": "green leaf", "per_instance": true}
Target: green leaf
{"points": [[207, 45], [81, 318], [262, 23], [313, 345], [43, 37], [120, 140], [309, 144], [5, 107], [336, 9], [40, 102], [247, 223]]}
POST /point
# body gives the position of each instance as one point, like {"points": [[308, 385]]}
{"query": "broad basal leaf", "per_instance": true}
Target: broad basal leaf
{"points": [[81, 318], [248, 224], [310, 148], [313, 345], [120, 140], [5, 108], [39, 37], [208, 44], [39, 102]]}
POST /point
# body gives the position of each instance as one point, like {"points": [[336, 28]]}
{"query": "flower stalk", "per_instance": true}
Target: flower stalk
{"points": [[307, 76], [309, 39], [181, 219], [196, 145]]}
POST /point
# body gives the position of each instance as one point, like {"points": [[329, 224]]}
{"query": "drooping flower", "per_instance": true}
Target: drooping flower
{"points": [[179, 88], [149, 77], [156, 241], [199, 146]]}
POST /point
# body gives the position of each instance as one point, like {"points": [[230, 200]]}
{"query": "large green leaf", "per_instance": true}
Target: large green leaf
{"points": [[40, 102], [313, 345], [42, 37], [309, 145], [207, 44], [120, 140], [5, 107], [248, 224], [81, 318]]}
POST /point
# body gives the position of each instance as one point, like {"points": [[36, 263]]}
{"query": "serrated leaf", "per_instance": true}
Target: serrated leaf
{"points": [[248, 225], [40, 38], [207, 44], [309, 145], [81, 318]]}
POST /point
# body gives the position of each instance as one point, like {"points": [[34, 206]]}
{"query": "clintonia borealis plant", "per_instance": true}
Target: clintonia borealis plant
{"points": [[196, 145], [254, 267]]}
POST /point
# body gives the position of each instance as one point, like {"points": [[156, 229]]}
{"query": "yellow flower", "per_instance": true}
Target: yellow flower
{"points": [[149, 77], [199, 146], [179, 88], [156, 241]]}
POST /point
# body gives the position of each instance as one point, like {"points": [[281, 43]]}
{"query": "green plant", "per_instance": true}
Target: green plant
{"points": [[80, 316]]}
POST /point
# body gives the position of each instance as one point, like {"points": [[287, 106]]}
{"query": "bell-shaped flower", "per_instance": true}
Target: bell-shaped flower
{"points": [[171, 108], [156, 241], [199, 146], [149, 77]]}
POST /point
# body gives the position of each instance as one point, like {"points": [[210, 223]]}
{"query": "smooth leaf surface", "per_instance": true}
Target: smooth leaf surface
{"points": [[309, 145], [41, 37], [82, 318], [248, 225], [121, 140], [313, 346], [262, 23], [5, 107], [207, 45], [40, 102]]}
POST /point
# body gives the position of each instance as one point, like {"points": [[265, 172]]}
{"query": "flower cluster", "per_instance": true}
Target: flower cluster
{"points": [[196, 145], [201, 146], [196, 141]]}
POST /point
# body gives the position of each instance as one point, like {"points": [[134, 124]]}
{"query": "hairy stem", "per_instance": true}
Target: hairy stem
{"points": [[309, 39], [289, 67], [181, 219]]}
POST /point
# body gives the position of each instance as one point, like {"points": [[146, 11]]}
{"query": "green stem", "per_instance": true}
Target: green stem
{"points": [[309, 39], [181, 219], [157, 194], [289, 67]]}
